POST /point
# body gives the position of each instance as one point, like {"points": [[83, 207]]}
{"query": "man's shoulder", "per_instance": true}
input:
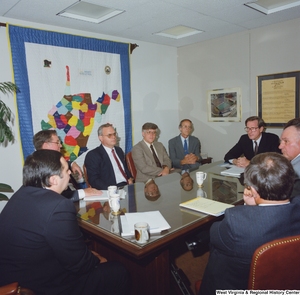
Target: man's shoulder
{"points": [[193, 138], [174, 139], [97, 150], [138, 145], [269, 135]]}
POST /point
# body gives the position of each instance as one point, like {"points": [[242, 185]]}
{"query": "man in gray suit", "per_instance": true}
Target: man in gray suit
{"points": [[149, 156], [184, 149]]}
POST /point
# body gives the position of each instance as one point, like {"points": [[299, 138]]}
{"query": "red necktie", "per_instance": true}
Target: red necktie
{"points": [[119, 165]]}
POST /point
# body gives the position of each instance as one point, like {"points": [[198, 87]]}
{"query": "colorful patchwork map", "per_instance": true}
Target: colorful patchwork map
{"points": [[73, 118]]}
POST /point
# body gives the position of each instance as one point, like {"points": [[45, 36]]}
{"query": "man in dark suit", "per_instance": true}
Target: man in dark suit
{"points": [[149, 156], [41, 245], [268, 215], [184, 149], [106, 164], [48, 140], [255, 142]]}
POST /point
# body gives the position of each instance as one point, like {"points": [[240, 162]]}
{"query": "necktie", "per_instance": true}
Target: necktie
{"points": [[185, 147], [255, 147], [119, 165], [155, 156]]}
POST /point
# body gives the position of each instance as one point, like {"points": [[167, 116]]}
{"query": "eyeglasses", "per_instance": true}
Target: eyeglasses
{"points": [[150, 132], [57, 142], [110, 135], [247, 129]]}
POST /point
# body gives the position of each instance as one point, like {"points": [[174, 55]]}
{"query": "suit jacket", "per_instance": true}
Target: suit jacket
{"points": [[99, 169], [176, 151], [144, 162], [268, 143], [235, 238], [41, 245]]}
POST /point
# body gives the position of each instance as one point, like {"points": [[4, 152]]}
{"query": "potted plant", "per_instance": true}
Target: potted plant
{"points": [[6, 133]]}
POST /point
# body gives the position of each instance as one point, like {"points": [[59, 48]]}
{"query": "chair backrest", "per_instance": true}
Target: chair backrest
{"points": [[14, 289], [276, 265], [85, 176], [130, 164]]}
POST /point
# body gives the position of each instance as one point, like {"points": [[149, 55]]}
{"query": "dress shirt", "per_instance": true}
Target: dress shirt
{"points": [[148, 145], [257, 141], [119, 176]]}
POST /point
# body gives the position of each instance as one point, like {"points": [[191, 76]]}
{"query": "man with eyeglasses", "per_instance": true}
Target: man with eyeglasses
{"points": [[150, 156], [290, 148], [106, 164], [256, 141], [184, 149], [49, 140]]}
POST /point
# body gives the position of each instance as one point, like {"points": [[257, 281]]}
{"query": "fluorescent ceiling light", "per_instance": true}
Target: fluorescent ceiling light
{"points": [[271, 6], [178, 32], [89, 12]]}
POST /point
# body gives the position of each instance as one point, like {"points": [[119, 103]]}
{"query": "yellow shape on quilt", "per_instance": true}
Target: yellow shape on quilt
{"points": [[73, 121]]}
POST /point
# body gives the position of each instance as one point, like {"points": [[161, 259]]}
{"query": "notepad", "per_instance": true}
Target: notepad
{"points": [[155, 220], [206, 206], [233, 171]]}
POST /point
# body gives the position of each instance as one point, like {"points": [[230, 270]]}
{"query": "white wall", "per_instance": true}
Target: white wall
{"points": [[153, 88], [229, 62]]}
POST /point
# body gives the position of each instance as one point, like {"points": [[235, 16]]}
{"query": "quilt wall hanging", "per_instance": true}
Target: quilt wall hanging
{"points": [[72, 84]]}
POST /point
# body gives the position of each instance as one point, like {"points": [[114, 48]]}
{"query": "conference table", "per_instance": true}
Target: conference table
{"points": [[150, 264]]}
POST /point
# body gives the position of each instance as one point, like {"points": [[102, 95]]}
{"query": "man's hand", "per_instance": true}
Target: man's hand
{"points": [[92, 192], [165, 171], [250, 195], [241, 162], [101, 258], [189, 159], [76, 169], [130, 181]]}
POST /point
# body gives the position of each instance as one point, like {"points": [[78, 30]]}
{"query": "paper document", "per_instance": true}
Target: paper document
{"points": [[233, 171], [155, 220], [104, 196], [206, 206]]}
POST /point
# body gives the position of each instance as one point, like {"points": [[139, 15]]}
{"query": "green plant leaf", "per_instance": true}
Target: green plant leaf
{"points": [[3, 197], [6, 188]]}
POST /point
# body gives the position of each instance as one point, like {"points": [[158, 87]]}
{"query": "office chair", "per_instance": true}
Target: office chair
{"points": [[14, 289], [130, 164], [275, 265]]}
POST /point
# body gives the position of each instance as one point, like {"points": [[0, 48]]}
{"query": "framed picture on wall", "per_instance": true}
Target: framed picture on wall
{"points": [[278, 98], [224, 105]]}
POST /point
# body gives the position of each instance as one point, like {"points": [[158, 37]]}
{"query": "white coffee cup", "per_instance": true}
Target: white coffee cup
{"points": [[142, 232], [112, 189], [114, 203], [200, 177]]}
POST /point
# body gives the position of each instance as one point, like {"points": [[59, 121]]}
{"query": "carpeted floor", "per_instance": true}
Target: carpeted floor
{"points": [[193, 267]]}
